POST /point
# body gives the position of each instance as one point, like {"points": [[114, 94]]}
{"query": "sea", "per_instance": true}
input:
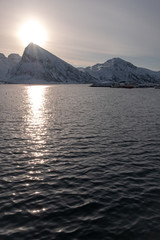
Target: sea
{"points": [[79, 163]]}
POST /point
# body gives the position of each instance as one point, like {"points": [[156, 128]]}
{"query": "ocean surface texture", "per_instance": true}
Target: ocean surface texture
{"points": [[79, 163]]}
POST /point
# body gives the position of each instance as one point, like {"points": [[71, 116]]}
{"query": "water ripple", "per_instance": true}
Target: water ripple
{"points": [[81, 163]]}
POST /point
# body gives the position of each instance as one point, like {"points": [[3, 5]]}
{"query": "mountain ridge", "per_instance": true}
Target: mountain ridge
{"points": [[38, 65]]}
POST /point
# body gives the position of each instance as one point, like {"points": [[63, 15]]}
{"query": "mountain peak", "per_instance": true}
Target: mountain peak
{"points": [[2, 56], [14, 57], [32, 47], [119, 62], [116, 59], [34, 52], [31, 44]]}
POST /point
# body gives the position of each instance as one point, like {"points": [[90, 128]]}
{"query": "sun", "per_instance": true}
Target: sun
{"points": [[32, 32]]}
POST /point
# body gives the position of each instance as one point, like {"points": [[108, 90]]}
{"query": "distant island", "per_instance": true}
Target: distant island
{"points": [[38, 66]]}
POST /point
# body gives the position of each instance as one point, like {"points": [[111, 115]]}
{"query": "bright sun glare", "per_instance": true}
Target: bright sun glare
{"points": [[32, 32]]}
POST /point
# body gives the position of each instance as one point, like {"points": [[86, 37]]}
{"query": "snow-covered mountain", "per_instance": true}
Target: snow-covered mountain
{"points": [[117, 70], [7, 63], [38, 65]]}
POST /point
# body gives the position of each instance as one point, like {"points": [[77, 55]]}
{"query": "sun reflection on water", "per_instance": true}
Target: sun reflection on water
{"points": [[36, 95], [36, 121]]}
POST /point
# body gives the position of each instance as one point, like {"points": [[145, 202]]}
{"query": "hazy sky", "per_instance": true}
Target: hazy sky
{"points": [[85, 32]]}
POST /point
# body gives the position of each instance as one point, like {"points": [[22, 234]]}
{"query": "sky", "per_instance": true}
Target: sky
{"points": [[86, 32]]}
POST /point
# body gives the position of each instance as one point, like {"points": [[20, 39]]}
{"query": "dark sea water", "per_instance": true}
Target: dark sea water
{"points": [[79, 163]]}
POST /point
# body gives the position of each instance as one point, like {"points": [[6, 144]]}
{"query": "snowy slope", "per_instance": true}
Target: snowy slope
{"points": [[118, 70], [39, 65], [6, 64]]}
